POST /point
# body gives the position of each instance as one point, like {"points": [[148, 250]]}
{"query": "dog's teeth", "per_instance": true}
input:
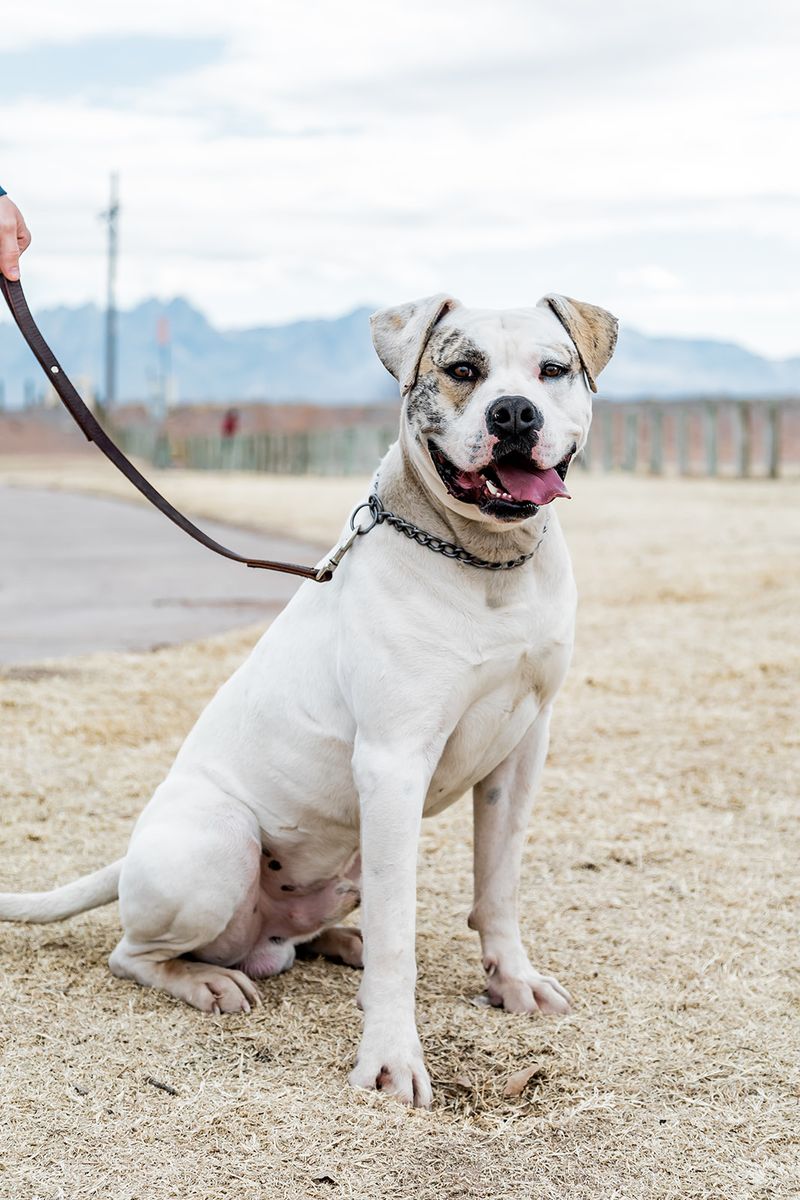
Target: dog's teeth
{"points": [[494, 490]]}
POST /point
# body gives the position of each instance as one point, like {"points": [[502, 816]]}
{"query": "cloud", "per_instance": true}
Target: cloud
{"points": [[291, 160], [652, 277], [101, 68]]}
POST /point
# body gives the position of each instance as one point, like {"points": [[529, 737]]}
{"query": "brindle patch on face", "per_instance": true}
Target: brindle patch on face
{"points": [[446, 348], [423, 407]]}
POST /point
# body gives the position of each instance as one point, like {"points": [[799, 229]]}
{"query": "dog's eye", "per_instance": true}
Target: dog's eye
{"points": [[462, 371], [551, 370]]}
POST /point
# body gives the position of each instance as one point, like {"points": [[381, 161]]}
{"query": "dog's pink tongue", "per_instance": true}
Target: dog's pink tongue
{"points": [[536, 487]]}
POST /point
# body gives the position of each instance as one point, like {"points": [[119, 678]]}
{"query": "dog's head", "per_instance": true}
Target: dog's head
{"points": [[496, 402]]}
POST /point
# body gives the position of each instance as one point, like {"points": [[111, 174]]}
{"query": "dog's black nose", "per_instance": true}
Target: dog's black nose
{"points": [[513, 416]]}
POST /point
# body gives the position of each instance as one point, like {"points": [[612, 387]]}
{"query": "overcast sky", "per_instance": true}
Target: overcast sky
{"points": [[301, 158]]}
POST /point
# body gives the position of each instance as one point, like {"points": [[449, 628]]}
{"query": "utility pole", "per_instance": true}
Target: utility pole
{"points": [[164, 342], [111, 216]]}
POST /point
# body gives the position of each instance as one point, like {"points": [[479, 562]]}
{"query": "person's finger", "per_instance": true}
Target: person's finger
{"points": [[23, 237], [9, 251]]}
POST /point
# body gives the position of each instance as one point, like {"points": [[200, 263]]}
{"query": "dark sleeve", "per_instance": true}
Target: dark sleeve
{"points": [[2, 191]]}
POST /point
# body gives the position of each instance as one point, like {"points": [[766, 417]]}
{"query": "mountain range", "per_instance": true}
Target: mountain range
{"points": [[331, 361]]}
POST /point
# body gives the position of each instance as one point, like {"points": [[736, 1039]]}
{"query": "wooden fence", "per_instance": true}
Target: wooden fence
{"points": [[354, 450], [698, 437]]}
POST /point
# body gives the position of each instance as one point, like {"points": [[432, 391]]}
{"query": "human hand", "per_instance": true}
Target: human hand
{"points": [[14, 237]]}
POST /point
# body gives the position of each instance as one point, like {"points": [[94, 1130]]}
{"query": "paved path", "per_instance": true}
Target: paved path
{"points": [[83, 573]]}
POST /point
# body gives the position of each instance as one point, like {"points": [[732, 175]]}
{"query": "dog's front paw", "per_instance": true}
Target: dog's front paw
{"points": [[391, 1061], [527, 991]]}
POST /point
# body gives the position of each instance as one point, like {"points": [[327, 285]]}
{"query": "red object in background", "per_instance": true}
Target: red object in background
{"points": [[230, 423]]}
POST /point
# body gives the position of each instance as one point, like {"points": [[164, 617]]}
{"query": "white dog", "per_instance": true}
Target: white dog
{"points": [[379, 698]]}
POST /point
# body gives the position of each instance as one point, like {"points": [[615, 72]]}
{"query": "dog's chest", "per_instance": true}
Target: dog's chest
{"points": [[519, 673]]}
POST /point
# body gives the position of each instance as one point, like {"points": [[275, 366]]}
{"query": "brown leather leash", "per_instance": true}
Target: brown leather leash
{"points": [[69, 396]]}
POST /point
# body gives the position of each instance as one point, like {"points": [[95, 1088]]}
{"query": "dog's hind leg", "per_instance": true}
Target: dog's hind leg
{"points": [[339, 943], [189, 887]]}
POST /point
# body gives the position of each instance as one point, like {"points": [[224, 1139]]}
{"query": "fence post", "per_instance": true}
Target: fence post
{"points": [[656, 439], [333, 452], [683, 441], [161, 454], [773, 440], [313, 453], [742, 410], [349, 451], [712, 438], [631, 440], [608, 439]]}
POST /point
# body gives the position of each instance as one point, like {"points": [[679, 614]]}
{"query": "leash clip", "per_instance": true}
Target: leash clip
{"points": [[326, 568]]}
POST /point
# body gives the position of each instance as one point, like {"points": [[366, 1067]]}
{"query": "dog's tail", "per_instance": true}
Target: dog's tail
{"points": [[101, 887]]}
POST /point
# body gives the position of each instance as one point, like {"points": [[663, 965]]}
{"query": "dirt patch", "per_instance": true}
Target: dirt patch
{"points": [[660, 884]]}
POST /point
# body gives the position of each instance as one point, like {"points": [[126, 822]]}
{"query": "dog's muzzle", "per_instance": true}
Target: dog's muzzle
{"points": [[510, 488]]}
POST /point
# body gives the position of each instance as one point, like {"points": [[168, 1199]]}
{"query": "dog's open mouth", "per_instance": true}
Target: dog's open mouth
{"points": [[510, 489]]}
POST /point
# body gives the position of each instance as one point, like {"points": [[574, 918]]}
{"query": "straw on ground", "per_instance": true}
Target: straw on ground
{"points": [[660, 885]]}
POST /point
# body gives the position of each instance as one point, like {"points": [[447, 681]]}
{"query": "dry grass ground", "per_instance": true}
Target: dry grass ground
{"points": [[660, 884]]}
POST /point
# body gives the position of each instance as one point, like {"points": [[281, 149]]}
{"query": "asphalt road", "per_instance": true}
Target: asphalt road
{"points": [[84, 573]]}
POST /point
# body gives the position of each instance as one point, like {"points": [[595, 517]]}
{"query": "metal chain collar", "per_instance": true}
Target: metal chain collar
{"points": [[450, 550]]}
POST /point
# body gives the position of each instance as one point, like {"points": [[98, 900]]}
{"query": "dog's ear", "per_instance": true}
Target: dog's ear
{"points": [[592, 329], [400, 335]]}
